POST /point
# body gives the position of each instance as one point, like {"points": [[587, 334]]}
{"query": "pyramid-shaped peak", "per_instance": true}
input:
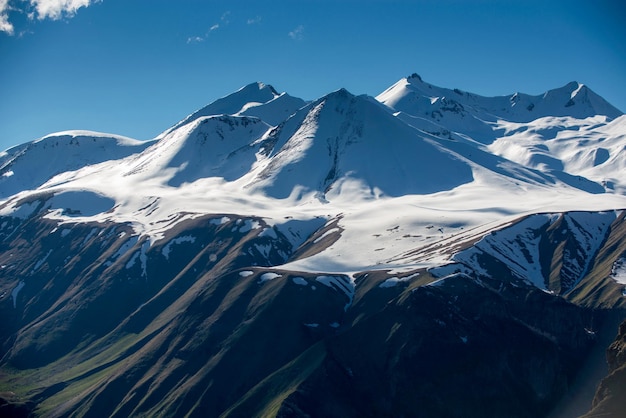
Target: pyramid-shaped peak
{"points": [[267, 90], [570, 89], [341, 94], [253, 94], [573, 85], [339, 100]]}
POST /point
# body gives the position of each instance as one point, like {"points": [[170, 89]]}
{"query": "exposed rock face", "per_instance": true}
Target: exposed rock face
{"points": [[458, 349], [610, 399]]}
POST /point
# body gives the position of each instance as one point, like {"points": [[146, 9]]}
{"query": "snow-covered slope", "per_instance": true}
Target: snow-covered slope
{"points": [[350, 159], [592, 148], [346, 145], [255, 99], [415, 97], [28, 166], [528, 247], [208, 146]]}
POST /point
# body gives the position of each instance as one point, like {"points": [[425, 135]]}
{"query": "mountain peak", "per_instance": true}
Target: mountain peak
{"points": [[415, 97], [414, 77], [248, 101], [258, 86], [342, 93], [577, 100], [347, 145]]}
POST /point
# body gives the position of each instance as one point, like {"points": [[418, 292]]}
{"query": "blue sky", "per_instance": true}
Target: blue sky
{"points": [[136, 67]]}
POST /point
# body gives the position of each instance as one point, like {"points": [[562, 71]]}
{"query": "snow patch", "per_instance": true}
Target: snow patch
{"points": [[167, 249], [297, 231], [268, 232], [438, 282], [264, 249], [449, 269], [89, 236], [130, 243], [300, 281], [249, 225], [22, 211], [325, 234], [143, 259], [220, 221], [246, 273], [393, 281], [265, 277], [41, 261], [618, 271], [16, 291]]}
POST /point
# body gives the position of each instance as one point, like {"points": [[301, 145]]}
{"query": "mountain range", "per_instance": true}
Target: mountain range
{"points": [[426, 252]]}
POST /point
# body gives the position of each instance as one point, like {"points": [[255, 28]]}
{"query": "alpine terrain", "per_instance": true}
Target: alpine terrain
{"points": [[427, 252]]}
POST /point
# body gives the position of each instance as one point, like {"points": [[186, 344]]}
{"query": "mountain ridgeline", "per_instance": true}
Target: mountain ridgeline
{"points": [[428, 252]]}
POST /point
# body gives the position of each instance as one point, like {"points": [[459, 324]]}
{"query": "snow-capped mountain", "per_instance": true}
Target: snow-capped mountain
{"points": [[256, 99], [390, 253], [29, 165], [345, 143], [417, 98]]}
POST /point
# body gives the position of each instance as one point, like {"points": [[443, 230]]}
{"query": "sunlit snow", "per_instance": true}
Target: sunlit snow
{"points": [[268, 276], [396, 186]]}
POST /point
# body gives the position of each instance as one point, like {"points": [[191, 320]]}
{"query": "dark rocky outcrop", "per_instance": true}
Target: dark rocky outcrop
{"points": [[610, 399]]}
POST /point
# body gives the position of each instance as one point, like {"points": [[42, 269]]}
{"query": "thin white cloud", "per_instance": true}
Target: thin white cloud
{"points": [[223, 22], [5, 25], [254, 20], [297, 34], [57, 9], [195, 39]]}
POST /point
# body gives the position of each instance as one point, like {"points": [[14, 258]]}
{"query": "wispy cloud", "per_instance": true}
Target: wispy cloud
{"points": [[297, 34], [195, 39], [39, 9], [223, 22], [254, 20], [224, 17]]}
